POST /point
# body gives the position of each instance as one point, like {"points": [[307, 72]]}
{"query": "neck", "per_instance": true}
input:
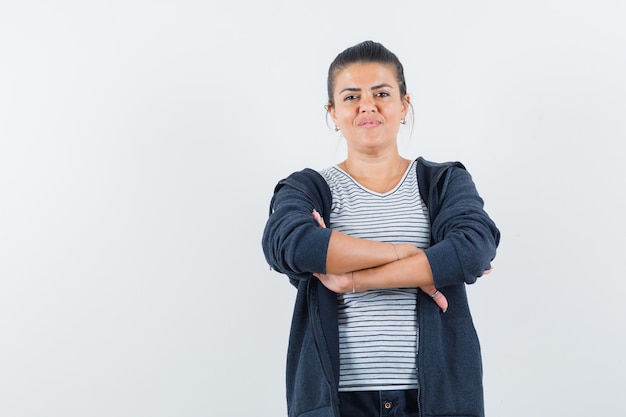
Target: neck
{"points": [[377, 175]]}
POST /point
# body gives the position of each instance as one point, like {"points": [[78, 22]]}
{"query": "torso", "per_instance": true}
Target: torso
{"points": [[378, 329]]}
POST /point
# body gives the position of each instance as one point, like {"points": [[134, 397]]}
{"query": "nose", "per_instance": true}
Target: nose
{"points": [[367, 104]]}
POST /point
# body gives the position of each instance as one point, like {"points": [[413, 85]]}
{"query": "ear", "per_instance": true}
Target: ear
{"points": [[406, 103], [331, 110]]}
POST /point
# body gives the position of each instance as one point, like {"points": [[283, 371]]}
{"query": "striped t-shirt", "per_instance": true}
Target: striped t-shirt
{"points": [[378, 329]]}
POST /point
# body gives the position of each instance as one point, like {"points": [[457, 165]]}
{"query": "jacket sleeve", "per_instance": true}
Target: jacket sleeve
{"points": [[464, 237], [293, 243]]}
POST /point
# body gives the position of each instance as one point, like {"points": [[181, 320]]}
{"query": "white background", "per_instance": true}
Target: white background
{"points": [[140, 142]]}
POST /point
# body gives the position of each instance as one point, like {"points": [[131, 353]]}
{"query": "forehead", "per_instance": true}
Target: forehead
{"points": [[365, 75]]}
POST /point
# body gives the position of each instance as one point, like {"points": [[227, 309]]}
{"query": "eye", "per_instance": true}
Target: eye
{"points": [[382, 94], [350, 98]]}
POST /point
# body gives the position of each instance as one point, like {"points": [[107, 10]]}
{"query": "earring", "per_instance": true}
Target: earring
{"points": [[403, 121], [336, 129]]}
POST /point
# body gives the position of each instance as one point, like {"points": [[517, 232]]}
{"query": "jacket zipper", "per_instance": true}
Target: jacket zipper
{"points": [[316, 339], [419, 354]]}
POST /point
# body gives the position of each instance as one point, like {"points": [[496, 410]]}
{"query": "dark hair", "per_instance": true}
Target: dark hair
{"points": [[365, 52]]}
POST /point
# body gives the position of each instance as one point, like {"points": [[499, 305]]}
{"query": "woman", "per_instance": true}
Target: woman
{"points": [[381, 324]]}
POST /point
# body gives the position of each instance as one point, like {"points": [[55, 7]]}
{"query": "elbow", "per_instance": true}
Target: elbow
{"points": [[456, 262], [299, 250]]}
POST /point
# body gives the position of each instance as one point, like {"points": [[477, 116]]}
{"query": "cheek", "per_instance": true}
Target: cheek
{"points": [[398, 110], [343, 114]]}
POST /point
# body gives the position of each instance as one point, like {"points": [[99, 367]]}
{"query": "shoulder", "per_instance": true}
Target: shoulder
{"points": [[307, 182], [431, 172], [426, 164], [304, 178], [433, 177]]}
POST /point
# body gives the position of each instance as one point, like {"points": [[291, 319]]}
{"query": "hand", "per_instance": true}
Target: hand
{"points": [[319, 219], [437, 296], [341, 283]]}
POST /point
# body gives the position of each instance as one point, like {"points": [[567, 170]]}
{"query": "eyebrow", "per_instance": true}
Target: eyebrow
{"points": [[354, 89]]}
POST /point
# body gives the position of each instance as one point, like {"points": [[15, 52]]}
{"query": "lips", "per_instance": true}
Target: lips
{"points": [[369, 123]]}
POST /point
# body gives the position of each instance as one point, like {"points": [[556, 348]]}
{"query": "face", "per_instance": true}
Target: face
{"points": [[368, 105]]}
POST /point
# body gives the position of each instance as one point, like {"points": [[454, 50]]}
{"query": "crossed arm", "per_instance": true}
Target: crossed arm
{"points": [[354, 264]]}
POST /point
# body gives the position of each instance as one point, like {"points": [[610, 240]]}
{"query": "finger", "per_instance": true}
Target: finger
{"points": [[318, 218], [440, 300]]}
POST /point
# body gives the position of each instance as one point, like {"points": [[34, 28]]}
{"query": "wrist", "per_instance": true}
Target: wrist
{"points": [[366, 279], [395, 252], [353, 283]]}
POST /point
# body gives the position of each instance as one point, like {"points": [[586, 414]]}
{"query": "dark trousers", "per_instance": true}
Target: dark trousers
{"points": [[379, 404]]}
